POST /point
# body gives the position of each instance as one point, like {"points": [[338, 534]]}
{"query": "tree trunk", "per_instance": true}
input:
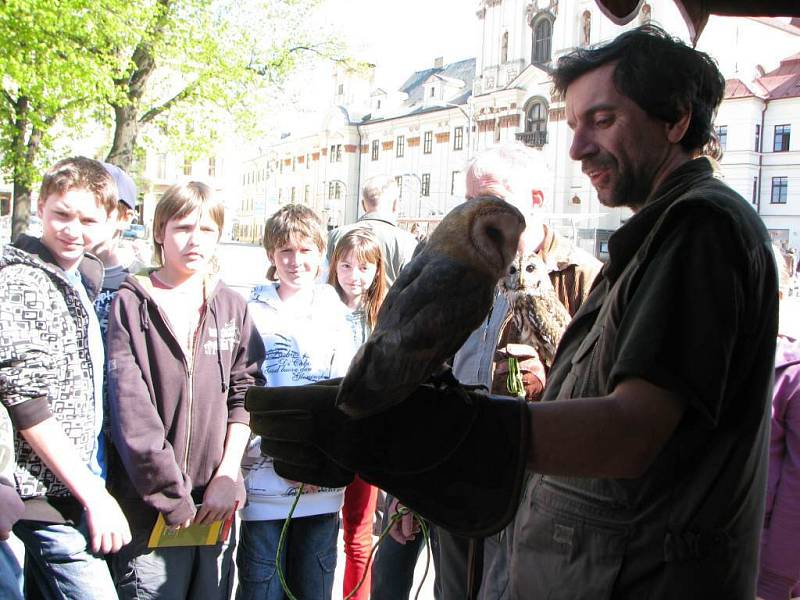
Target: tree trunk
{"points": [[22, 187], [126, 116], [126, 131], [22, 207]]}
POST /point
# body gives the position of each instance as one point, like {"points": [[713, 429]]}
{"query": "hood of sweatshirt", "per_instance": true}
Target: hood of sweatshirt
{"points": [[142, 286], [35, 254], [266, 293], [787, 352]]}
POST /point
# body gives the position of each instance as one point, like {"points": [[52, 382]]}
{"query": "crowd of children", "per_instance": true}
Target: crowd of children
{"points": [[123, 391], [123, 403]]}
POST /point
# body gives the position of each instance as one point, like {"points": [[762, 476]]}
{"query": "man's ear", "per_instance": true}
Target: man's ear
{"points": [[676, 130], [537, 198]]}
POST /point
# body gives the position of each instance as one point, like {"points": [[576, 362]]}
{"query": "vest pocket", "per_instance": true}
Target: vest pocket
{"points": [[564, 553], [582, 365]]}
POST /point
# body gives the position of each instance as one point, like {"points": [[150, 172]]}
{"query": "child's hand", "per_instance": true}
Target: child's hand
{"points": [[406, 528], [178, 526], [219, 500], [108, 527]]}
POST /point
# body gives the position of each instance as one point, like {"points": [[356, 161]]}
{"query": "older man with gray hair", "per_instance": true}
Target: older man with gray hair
{"points": [[515, 173], [379, 198]]}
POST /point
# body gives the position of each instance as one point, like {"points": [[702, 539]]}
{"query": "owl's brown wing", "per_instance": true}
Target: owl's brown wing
{"points": [[542, 320], [431, 312]]}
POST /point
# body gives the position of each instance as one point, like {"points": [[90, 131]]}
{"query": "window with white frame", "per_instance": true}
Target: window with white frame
{"points": [[458, 138], [781, 140], [780, 190], [722, 136], [454, 180], [542, 39]]}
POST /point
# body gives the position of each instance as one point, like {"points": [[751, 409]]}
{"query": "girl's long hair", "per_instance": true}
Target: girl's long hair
{"points": [[366, 248]]}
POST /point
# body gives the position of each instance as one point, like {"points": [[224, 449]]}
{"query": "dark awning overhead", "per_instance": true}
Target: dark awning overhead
{"points": [[696, 12]]}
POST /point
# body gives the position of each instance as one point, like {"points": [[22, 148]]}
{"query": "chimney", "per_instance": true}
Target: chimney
{"points": [[438, 62]]}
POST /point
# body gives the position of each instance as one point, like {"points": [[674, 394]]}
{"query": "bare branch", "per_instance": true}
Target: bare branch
{"points": [[9, 98], [157, 110], [318, 52]]}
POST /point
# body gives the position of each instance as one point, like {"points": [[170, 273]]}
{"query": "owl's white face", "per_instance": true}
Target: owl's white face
{"points": [[527, 275]]}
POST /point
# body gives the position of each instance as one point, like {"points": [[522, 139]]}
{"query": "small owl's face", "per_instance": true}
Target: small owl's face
{"points": [[527, 275]]}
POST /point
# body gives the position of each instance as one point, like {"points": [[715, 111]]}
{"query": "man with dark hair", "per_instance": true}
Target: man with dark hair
{"points": [[652, 455], [647, 455]]}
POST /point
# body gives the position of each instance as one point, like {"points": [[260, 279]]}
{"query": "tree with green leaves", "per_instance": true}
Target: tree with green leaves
{"points": [[186, 68], [57, 58], [204, 66]]}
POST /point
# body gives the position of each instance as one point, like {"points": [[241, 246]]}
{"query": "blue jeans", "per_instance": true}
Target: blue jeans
{"points": [[10, 574], [394, 564], [308, 560], [203, 572], [58, 559]]}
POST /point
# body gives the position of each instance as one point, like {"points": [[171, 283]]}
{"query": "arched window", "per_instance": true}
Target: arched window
{"points": [[535, 133], [542, 39], [504, 48], [536, 118], [586, 28]]}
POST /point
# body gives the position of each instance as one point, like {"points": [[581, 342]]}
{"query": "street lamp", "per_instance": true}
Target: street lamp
{"points": [[419, 191]]}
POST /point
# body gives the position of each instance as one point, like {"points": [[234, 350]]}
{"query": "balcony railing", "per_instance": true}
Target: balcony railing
{"points": [[535, 139]]}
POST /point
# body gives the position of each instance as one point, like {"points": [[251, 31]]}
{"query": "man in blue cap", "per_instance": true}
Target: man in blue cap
{"points": [[117, 265]]}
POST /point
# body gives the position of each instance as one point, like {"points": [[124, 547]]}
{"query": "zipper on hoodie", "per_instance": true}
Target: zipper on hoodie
{"points": [[190, 374], [189, 370]]}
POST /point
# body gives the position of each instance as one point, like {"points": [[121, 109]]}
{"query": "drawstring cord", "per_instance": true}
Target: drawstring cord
{"points": [[144, 317], [224, 384], [401, 511]]}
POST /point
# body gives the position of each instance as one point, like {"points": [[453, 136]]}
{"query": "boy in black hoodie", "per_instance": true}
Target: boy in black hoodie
{"points": [[51, 372]]}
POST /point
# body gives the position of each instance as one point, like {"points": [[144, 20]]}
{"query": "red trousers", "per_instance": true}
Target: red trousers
{"points": [[358, 512]]}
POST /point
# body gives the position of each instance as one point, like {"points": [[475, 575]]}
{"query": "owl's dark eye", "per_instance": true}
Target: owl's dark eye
{"points": [[512, 270], [530, 269]]}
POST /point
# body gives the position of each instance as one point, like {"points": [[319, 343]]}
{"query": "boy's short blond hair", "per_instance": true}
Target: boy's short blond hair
{"points": [[80, 173], [288, 225], [180, 200]]}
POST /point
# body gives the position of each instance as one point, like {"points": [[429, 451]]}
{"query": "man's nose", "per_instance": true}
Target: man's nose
{"points": [[582, 146]]}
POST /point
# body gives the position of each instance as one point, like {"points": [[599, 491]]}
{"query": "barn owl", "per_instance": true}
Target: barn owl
{"points": [[537, 312], [439, 298]]}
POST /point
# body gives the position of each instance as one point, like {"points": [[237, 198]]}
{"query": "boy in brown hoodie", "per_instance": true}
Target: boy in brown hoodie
{"points": [[182, 353]]}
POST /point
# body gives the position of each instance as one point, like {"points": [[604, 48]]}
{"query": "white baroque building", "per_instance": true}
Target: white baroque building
{"points": [[425, 133], [761, 160]]}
